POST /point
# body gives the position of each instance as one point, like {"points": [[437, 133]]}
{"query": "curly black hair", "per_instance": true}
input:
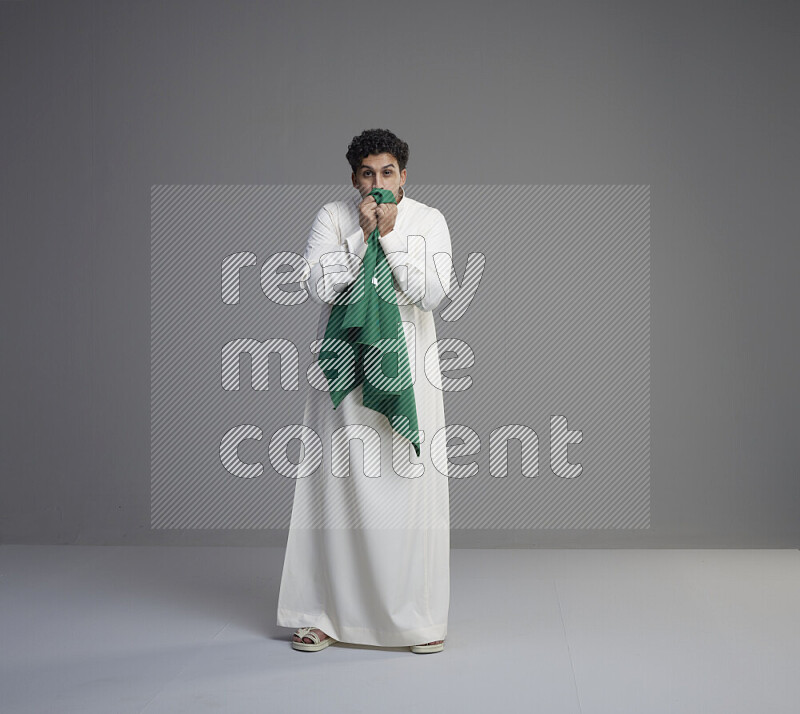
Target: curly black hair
{"points": [[376, 141]]}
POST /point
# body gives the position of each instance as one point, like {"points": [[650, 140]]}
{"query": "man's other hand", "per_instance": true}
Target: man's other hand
{"points": [[387, 214], [368, 216]]}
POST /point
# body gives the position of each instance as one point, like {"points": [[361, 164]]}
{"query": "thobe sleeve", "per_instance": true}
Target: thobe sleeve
{"points": [[324, 254], [422, 271]]}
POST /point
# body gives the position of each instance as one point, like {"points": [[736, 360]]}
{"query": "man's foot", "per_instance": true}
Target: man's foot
{"points": [[428, 647], [309, 640]]}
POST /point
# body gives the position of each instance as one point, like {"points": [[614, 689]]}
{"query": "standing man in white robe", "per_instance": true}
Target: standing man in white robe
{"points": [[368, 554]]}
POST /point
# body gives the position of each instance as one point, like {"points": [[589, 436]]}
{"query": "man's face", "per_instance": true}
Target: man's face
{"points": [[379, 171]]}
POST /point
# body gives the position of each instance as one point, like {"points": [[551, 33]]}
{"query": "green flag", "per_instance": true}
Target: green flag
{"points": [[364, 338]]}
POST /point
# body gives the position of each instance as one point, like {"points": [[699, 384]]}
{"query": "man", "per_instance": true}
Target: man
{"points": [[367, 559]]}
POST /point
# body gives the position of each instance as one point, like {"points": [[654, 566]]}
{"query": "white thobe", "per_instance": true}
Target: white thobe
{"points": [[368, 553]]}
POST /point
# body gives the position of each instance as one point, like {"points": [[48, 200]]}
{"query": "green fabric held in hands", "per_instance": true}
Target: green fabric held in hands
{"points": [[366, 317]]}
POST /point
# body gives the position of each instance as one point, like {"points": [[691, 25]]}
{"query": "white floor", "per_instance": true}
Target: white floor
{"points": [[169, 629]]}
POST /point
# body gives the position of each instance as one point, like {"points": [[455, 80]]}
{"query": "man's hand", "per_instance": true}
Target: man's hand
{"points": [[387, 214], [368, 216]]}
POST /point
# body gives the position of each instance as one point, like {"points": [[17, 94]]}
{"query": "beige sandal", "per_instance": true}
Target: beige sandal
{"points": [[424, 649], [317, 645]]}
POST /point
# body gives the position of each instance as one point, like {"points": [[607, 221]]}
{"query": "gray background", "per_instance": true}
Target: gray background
{"points": [[696, 100]]}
